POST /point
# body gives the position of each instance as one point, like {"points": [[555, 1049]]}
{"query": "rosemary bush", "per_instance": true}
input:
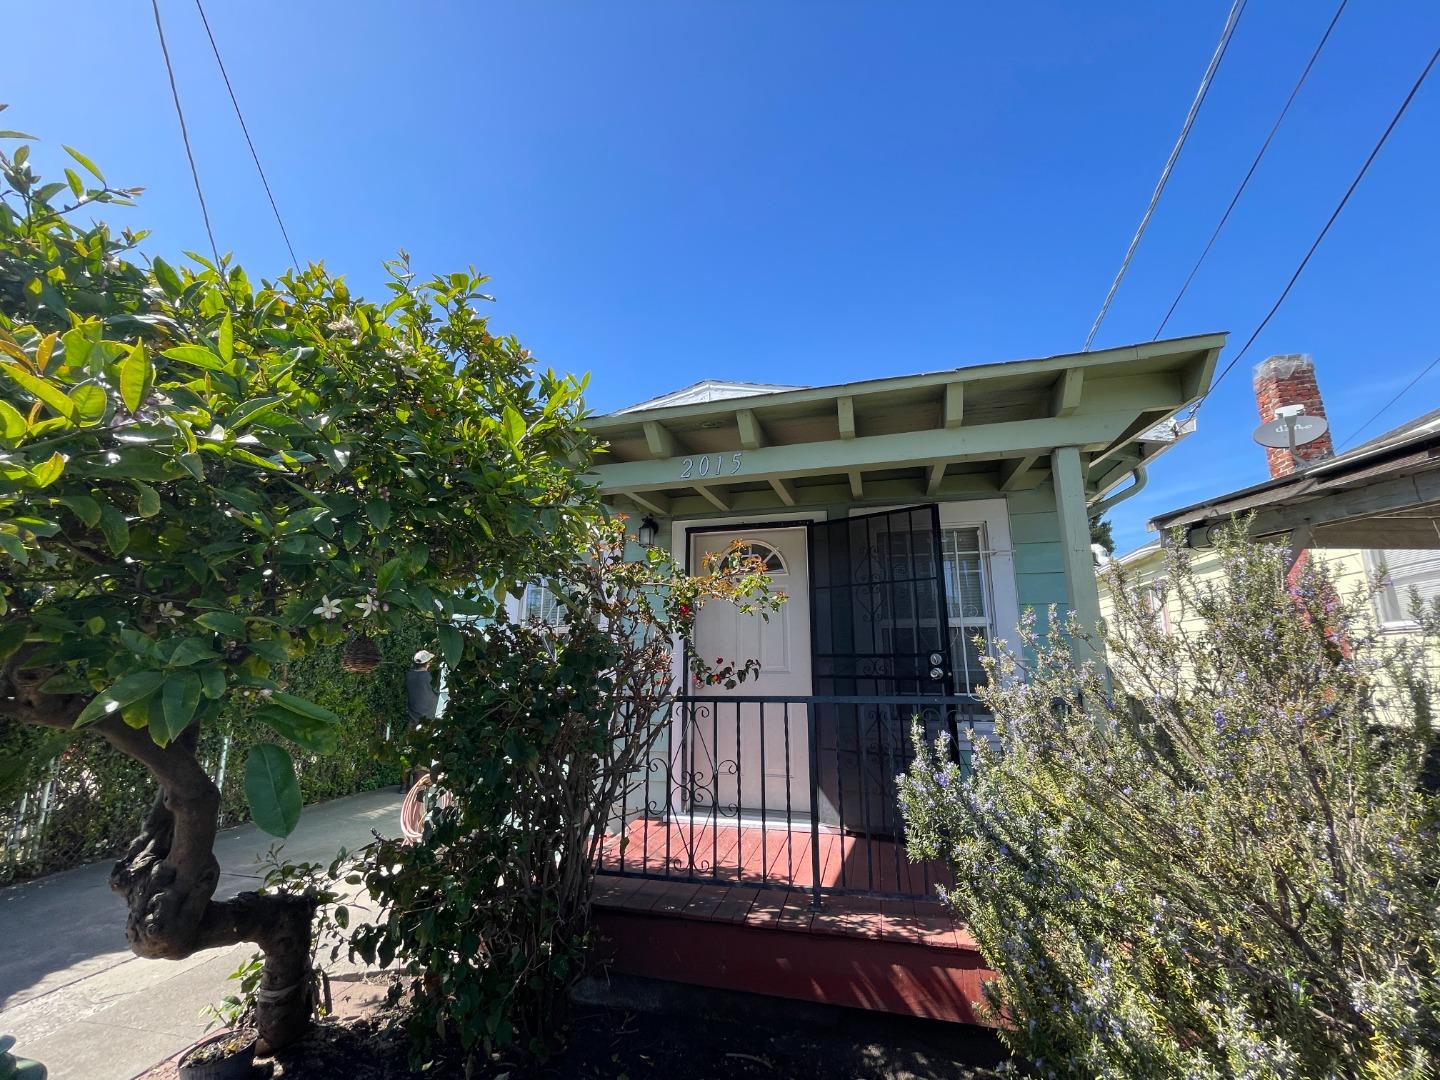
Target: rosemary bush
{"points": [[1222, 861]]}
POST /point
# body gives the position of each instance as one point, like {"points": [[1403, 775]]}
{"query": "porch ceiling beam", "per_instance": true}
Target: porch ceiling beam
{"points": [[845, 413], [857, 484], [651, 501], [752, 435], [954, 404], [821, 496], [715, 495], [933, 478], [786, 493], [661, 441], [905, 449], [1065, 396], [1014, 471]]}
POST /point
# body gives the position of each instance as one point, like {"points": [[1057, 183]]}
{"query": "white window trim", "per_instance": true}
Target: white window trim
{"points": [[1374, 559]]}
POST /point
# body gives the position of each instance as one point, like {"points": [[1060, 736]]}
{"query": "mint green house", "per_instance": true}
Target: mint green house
{"points": [[909, 520]]}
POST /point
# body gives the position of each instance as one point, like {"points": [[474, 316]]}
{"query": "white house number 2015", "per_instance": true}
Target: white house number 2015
{"points": [[693, 468]]}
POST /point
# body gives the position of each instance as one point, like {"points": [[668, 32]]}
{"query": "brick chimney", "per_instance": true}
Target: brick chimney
{"points": [[1289, 379]]}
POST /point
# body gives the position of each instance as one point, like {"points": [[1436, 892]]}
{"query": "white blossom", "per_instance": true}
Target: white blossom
{"points": [[328, 609]]}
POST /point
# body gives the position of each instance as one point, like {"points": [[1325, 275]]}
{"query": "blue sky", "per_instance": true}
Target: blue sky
{"points": [[795, 190]]}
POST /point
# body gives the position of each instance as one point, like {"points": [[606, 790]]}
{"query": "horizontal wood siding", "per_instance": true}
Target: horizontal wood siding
{"points": [[1039, 563]]}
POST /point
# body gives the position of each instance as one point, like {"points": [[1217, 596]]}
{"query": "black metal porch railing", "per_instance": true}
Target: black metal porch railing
{"points": [[784, 792]]}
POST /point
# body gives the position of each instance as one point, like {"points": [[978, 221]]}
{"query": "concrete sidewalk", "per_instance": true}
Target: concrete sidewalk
{"points": [[79, 1001]]}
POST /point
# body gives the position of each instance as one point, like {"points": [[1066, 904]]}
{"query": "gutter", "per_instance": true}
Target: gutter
{"points": [[1140, 475]]}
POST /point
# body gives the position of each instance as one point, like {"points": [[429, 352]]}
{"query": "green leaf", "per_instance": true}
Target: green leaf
{"points": [[451, 645], [226, 340], [48, 471], [223, 622], [514, 425], [124, 692], [310, 734], [249, 410], [137, 376], [83, 507], [271, 789], [115, 528], [12, 423], [148, 502], [90, 402], [387, 573], [167, 277], [15, 548], [191, 650], [178, 701], [12, 636], [86, 162], [7, 134], [212, 682], [307, 709], [42, 390], [379, 513], [196, 356]]}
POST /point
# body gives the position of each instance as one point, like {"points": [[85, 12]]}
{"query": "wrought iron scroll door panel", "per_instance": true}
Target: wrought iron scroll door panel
{"points": [[879, 629]]}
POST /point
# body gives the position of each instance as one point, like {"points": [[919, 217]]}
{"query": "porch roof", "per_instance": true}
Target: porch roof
{"points": [[1383, 494], [985, 428]]}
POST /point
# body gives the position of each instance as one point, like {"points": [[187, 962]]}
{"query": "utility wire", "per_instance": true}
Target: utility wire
{"points": [[1253, 166], [245, 128], [185, 134], [1384, 408], [1305, 261], [1236, 9]]}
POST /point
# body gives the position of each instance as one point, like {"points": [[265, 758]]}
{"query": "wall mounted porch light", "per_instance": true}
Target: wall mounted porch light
{"points": [[648, 530]]}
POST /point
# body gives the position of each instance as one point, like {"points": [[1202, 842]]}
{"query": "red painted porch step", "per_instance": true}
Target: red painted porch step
{"points": [[906, 957]]}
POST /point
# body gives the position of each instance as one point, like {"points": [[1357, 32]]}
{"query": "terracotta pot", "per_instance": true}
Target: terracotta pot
{"points": [[235, 1066]]}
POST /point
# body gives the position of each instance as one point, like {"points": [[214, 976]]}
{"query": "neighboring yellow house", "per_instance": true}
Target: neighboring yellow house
{"points": [[1145, 566]]}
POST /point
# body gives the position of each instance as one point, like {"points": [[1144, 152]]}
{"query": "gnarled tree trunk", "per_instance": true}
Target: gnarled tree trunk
{"points": [[169, 873]]}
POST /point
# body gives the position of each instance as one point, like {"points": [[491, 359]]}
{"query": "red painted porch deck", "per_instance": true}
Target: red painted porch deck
{"points": [[732, 853], [905, 955]]}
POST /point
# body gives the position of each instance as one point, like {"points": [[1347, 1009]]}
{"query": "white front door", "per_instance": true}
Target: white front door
{"points": [[753, 757]]}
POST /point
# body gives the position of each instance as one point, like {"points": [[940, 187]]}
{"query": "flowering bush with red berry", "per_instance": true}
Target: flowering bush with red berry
{"points": [[543, 742]]}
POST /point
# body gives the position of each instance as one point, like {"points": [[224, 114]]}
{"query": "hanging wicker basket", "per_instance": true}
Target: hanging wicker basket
{"points": [[360, 656]]}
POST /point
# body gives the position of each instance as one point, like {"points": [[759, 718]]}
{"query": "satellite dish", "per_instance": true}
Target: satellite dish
{"points": [[1288, 432]]}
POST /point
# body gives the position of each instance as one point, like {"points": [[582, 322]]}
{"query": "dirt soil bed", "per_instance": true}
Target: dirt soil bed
{"points": [[622, 1044]]}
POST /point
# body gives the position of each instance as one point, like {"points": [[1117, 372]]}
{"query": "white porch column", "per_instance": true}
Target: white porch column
{"points": [[1074, 518]]}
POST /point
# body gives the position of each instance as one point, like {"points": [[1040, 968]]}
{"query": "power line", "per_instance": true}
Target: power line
{"points": [[1253, 166], [1384, 408], [245, 128], [1305, 261], [185, 134], [1236, 9]]}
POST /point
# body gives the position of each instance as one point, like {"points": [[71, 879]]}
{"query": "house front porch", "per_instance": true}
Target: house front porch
{"points": [[763, 851]]}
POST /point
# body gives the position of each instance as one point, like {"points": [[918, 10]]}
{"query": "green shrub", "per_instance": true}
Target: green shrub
{"points": [[544, 739], [1224, 866]]}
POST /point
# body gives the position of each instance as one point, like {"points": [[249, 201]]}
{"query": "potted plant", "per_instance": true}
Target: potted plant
{"points": [[226, 1055], [229, 1052]]}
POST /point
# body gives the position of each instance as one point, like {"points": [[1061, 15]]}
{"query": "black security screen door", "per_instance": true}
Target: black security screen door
{"points": [[879, 629]]}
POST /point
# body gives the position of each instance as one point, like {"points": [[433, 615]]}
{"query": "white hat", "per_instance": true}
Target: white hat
{"points": [[424, 656]]}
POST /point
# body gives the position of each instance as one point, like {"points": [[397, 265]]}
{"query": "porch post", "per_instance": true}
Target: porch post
{"points": [[1075, 545]]}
